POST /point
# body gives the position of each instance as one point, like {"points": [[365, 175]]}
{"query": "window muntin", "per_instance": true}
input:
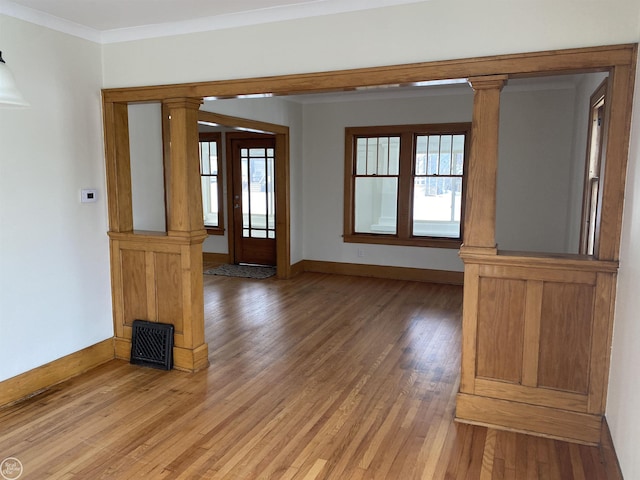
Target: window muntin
{"points": [[405, 184], [211, 180]]}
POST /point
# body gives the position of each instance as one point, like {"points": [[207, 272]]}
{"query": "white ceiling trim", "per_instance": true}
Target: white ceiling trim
{"points": [[218, 22], [43, 19]]}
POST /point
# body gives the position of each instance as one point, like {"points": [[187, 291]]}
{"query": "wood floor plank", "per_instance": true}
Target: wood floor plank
{"points": [[488, 455], [322, 377]]}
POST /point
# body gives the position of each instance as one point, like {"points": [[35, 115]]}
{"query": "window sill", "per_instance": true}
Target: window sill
{"points": [[214, 230], [452, 243]]}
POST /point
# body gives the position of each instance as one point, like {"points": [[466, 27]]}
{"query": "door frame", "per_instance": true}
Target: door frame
{"points": [[230, 178], [282, 185]]}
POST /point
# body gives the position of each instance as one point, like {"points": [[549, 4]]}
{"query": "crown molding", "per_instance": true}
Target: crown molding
{"points": [[43, 19], [218, 22]]}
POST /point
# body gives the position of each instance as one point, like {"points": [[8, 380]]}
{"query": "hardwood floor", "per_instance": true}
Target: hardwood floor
{"points": [[319, 377]]}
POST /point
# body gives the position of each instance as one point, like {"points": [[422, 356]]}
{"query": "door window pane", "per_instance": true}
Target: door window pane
{"points": [[258, 194]]}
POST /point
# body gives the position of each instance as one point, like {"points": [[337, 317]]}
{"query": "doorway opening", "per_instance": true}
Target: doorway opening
{"points": [[254, 192]]}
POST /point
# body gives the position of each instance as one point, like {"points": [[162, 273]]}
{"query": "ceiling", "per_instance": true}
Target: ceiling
{"points": [[120, 20]]}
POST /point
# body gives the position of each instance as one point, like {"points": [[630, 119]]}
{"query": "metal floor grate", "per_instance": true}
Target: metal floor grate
{"points": [[152, 344]]}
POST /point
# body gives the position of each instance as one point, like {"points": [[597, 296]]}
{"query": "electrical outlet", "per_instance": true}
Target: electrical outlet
{"points": [[361, 252]]}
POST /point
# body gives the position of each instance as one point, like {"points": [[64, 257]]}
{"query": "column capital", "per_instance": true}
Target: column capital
{"points": [[185, 102], [488, 82]]}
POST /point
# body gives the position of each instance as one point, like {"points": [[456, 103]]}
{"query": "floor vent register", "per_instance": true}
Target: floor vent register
{"points": [[152, 344]]}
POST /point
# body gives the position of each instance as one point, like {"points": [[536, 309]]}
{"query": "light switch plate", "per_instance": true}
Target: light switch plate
{"points": [[88, 195]]}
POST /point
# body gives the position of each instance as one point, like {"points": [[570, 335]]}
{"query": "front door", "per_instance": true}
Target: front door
{"points": [[254, 212]]}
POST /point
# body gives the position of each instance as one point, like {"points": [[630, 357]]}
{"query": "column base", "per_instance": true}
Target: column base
{"points": [[184, 359]]}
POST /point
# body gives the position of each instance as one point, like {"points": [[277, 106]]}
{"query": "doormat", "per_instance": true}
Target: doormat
{"points": [[245, 271]]}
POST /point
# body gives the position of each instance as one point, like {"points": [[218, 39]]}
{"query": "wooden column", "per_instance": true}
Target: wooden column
{"points": [[118, 166], [157, 276], [185, 221], [184, 204], [480, 210]]}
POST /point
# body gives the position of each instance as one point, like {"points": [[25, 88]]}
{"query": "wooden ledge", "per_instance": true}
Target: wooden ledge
{"points": [[540, 260], [137, 236]]}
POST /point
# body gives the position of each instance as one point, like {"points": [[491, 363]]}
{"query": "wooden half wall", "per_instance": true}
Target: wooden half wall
{"points": [[157, 276], [536, 342], [537, 327]]}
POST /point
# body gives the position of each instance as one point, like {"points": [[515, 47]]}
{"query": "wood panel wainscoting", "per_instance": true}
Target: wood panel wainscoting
{"points": [[538, 333], [159, 276]]}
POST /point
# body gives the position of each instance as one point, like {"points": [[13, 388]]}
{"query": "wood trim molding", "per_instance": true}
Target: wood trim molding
{"points": [[184, 359], [231, 121], [540, 260], [34, 381], [215, 257], [283, 184], [383, 271], [530, 419], [615, 155], [297, 268]]}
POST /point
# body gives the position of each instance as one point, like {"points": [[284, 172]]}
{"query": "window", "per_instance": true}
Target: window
{"points": [[404, 185], [211, 176], [593, 171]]}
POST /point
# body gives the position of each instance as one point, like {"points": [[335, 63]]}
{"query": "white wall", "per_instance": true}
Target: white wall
{"points": [[534, 169], [323, 182], [147, 169], [429, 30], [623, 405], [55, 295]]}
